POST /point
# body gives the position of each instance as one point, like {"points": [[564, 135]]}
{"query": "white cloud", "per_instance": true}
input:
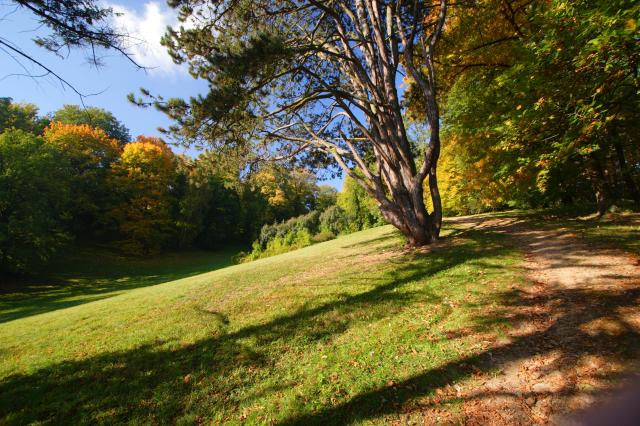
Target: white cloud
{"points": [[146, 27]]}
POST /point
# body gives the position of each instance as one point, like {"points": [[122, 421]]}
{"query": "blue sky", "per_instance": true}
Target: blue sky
{"points": [[145, 20]]}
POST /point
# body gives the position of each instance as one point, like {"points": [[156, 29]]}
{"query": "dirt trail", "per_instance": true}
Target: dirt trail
{"points": [[576, 330]]}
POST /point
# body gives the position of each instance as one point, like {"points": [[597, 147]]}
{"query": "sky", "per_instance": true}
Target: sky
{"points": [[108, 84]]}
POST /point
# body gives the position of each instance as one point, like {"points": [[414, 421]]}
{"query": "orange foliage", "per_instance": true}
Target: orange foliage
{"points": [[86, 147]]}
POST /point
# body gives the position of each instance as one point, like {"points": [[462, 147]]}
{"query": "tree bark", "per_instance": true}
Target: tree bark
{"points": [[436, 200], [411, 218], [601, 186], [626, 173]]}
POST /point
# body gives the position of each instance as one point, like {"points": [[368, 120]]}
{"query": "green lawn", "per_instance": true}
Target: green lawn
{"points": [[347, 330], [85, 275]]}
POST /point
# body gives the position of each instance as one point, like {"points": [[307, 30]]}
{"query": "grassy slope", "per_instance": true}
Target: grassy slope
{"points": [[347, 330], [90, 275]]}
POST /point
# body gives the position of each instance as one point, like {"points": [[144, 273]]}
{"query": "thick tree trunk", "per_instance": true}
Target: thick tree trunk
{"points": [[411, 216], [418, 232], [408, 213]]}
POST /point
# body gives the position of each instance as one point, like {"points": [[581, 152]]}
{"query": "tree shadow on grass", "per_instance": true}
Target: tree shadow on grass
{"points": [[390, 236], [570, 347], [563, 337], [162, 381], [91, 276]]}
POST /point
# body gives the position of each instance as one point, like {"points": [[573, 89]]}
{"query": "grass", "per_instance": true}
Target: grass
{"points": [[88, 275], [348, 330], [613, 230], [620, 230]]}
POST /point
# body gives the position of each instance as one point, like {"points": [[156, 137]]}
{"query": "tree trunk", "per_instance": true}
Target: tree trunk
{"points": [[601, 187], [409, 215], [418, 233], [436, 200], [408, 212], [626, 173], [402, 204]]}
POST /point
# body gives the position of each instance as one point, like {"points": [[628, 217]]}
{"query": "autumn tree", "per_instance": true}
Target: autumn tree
{"points": [[288, 193], [143, 178], [541, 104], [318, 79], [90, 153], [95, 117]]}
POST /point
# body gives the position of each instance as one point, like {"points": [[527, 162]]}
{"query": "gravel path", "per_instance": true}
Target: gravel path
{"points": [[576, 330]]}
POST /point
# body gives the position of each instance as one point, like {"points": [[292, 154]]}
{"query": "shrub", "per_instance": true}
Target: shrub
{"points": [[308, 222], [292, 240], [334, 220], [322, 237]]}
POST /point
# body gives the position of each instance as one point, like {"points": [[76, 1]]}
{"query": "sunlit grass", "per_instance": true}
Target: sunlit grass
{"points": [[85, 275], [328, 333], [620, 233]]}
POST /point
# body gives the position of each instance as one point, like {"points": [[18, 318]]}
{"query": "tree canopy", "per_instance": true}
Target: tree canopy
{"points": [[95, 117], [540, 104], [34, 197]]}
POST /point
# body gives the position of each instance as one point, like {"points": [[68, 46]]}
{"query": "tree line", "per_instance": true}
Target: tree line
{"points": [[76, 176], [527, 103]]}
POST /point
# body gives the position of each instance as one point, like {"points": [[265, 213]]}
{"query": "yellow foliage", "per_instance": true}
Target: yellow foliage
{"points": [[465, 187], [147, 157], [269, 187], [86, 146], [144, 175]]}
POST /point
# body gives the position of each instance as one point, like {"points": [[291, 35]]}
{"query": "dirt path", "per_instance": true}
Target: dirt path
{"points": [[576, 330]]}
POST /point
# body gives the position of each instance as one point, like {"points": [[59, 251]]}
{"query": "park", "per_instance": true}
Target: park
{"points": [[319, 212]]}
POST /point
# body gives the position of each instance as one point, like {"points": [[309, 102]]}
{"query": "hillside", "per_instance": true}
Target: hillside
{"points": [[352, 330]]}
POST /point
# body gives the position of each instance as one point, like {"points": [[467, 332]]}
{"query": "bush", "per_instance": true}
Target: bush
{"points": [[292, 240], [315, 227], [309, 222], [322, 237], [334, 220]]}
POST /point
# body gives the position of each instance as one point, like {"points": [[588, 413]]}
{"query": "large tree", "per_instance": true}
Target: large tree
{"points": [[318, 79], [91, 153], [34, 200]]}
